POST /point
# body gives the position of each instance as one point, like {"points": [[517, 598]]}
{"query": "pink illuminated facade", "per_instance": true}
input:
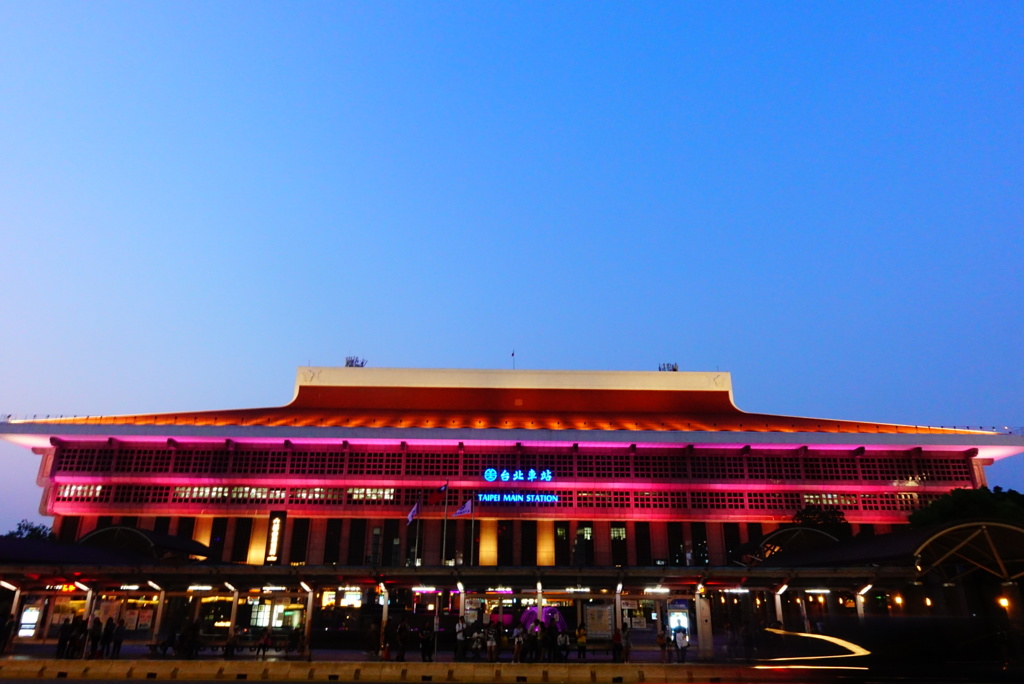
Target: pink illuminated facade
{"points": [[562, 469]]}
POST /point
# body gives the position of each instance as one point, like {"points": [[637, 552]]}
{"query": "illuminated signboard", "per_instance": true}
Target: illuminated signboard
{"points": [[528, 475], [275, 535], [516, 497], [518, 475]]}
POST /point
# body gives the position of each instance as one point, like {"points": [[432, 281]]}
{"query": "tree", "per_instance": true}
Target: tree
{"points": [[968, 504], [828, 519], [31, 530]]}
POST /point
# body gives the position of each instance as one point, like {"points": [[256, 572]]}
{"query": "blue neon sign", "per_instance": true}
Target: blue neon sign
{"points": [[528, 475]]}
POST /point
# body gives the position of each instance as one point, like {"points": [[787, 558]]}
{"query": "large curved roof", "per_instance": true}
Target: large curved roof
{"points": [[494, 399]]}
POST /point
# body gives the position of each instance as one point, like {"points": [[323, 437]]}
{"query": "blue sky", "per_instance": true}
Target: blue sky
{"points": [[824, 199]]}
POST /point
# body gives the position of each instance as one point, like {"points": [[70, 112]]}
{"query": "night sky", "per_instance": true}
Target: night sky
{"points": [[824, 199]]}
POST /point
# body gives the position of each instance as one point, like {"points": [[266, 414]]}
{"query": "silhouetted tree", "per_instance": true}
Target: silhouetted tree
{"points": [[967, 504], [31, 530], [825, 518]]}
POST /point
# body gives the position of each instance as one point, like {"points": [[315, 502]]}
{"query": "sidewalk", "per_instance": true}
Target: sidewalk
{"points": [[141, 651]]}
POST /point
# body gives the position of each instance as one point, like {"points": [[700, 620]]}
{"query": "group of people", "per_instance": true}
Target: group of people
{"points": [[189, 641], [403, 637], [536, 642], [678, 640], [77, 638]]}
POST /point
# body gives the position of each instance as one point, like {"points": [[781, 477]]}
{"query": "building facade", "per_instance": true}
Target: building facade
{"points": [[561, 468], [374, 470]]}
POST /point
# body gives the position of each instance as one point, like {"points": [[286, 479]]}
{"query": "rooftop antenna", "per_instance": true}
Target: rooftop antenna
{"points": [[354, 362], [513, 359]]}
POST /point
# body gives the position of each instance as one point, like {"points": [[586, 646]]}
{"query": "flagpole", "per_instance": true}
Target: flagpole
{"points": [[444, 525], [416, 543]]}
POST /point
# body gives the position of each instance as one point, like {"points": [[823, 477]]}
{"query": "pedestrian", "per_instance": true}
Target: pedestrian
{"points": [[627, 643], [563, 645], [617, 646], [550, 642], [581, 642], [6, 631], [682, 643], [79, 632], [662, 645], [263, 645], [119, 632], [478, 643], [460, 639], [534, 641], [731, 641], [107, 638], [95, 637], [63, 638], [427, 643], [403, 640], [492, 636], [517, 644]]}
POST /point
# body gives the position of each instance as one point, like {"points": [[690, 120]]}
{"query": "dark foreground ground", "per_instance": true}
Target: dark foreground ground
{"points": [[35, 662]]}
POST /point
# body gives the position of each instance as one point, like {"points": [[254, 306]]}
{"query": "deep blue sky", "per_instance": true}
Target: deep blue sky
{"points": [[824, 199]]}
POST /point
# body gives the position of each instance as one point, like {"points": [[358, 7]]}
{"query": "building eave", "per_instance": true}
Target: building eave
{"points": [[41, 435]]}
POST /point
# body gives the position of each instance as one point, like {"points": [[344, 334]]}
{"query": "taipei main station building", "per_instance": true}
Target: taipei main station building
{"points": [[644, 499]]}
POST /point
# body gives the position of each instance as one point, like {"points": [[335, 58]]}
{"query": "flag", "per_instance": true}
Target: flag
{"points": [[413, 513], [513, 352], [437, 497], [464, 509]]}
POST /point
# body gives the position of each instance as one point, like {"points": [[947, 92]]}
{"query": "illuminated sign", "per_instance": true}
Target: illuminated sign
{"points": [[528, 475], [516, 497], [274, 538], [63, 587]]}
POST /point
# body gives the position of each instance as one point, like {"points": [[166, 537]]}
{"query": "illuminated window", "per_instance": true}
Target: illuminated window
{"points": [[84, 493]]}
